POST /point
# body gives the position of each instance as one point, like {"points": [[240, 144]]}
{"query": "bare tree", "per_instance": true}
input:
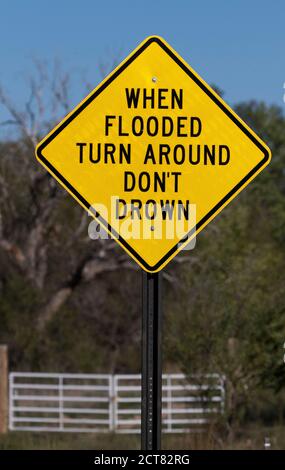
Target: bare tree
{"points": [[29, 242], [39, 231]]}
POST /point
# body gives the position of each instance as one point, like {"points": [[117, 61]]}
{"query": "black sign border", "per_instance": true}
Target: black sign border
{"points": [[99, 90]]}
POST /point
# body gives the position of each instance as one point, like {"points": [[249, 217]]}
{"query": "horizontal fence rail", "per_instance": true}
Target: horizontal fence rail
{"points": [[110, 403]]}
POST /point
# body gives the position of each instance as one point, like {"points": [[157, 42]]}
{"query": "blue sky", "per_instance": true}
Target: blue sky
{"points": [[238, 45]]}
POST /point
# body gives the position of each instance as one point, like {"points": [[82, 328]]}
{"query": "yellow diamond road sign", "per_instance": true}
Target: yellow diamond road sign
{"points": [[153, 153]]}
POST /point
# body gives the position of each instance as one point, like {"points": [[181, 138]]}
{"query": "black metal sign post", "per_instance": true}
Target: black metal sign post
{"points": [[151, 362]]}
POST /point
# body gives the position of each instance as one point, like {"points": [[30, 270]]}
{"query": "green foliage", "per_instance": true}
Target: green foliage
{"points": [[228, 313], [17, 308]]}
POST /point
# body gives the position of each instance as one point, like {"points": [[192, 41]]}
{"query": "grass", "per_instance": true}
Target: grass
{"points": [[250, 438]]}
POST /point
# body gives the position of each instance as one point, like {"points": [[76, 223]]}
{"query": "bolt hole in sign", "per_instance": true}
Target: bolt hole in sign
{"points": [[153, 153]]}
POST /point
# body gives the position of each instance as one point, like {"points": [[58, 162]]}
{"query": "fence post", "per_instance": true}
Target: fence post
{"points": [[61, 402], [3, 389], [112, 402], [169, 402]]}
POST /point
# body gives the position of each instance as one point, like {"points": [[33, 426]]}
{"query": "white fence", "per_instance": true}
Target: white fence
{"points": [[109, 403]]}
